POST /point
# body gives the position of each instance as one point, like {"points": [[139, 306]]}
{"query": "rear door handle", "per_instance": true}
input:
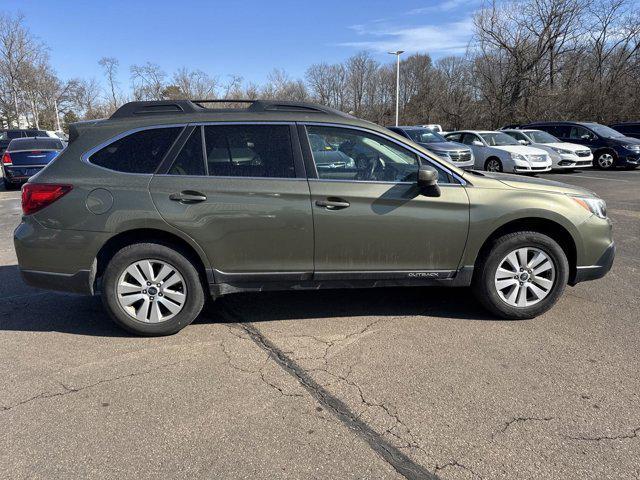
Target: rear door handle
{"points": [[188, 196], [333, 203]]}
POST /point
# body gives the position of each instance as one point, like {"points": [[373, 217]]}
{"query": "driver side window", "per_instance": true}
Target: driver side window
{"points": [[346, 154]]}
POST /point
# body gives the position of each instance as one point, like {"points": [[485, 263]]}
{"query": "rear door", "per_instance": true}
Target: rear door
{"points": [[371, 220], [240, 191]]}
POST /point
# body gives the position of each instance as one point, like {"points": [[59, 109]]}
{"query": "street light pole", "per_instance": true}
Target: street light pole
{"points": [[397, 53]]}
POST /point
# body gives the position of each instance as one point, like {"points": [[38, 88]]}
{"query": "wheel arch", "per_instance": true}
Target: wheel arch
{"points": [[546, 226], [152, 235]]}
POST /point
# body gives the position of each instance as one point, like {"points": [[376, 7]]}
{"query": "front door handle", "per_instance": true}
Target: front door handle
{"points": [[188, 196], [332, 203]]}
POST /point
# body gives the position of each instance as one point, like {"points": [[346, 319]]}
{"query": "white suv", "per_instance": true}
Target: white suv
{"points": [[563, 155], [499, 152]]}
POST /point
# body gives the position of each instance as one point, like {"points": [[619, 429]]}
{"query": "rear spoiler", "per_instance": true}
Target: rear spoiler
{"points": [[78, 128]]}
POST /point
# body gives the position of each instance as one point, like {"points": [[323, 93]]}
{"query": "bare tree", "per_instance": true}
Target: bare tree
{"points": [[110, 67]]}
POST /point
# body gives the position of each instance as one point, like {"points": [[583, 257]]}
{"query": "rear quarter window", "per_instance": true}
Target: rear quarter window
{"points": [[139, 152]]}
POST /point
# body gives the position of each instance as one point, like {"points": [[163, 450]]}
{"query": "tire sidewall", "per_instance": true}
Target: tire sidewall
{"points": [[484, 283], [141, 251]]}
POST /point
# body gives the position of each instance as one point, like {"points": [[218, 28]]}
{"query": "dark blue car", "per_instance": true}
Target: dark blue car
{"points": [[24, 157]]}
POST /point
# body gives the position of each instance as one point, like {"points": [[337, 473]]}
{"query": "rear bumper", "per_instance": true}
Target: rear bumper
{"points": [[80, 282], [593, 272], [20, 174]]}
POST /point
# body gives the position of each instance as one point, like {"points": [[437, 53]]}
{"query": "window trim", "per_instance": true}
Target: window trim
{"points": [[296, 152], [310, 163], [84, 158]]}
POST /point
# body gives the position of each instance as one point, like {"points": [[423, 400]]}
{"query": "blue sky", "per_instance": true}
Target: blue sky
{"points": [[247, 38]]}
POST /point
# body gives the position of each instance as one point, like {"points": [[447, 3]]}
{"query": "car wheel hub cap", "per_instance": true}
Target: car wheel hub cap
{"points": [[524, 277], [606, 160], [151, 291]]}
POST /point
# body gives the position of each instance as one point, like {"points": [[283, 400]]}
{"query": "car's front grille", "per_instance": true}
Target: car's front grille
{"points": [[460, 156], [583, 153]]}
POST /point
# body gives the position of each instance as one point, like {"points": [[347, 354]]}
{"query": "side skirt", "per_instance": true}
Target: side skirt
{"points": [[226, 284]]}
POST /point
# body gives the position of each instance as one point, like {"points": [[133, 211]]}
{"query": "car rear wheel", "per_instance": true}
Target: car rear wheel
{"points": [[493, 165], [605, 160], [522, 275], [151, 289]]}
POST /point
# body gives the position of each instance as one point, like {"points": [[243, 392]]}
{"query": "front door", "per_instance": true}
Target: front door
{"points": [[239, 192], [369, 216]]}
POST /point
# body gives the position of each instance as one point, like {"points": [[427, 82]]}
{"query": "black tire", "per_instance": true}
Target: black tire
{"points": [[601, 160], [484, 276], [140, 251], [496, 161]]}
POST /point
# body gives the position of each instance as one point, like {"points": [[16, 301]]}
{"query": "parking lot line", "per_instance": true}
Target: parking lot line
{"points": [[601, 178]]}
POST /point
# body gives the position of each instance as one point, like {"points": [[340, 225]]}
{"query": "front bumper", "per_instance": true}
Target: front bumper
{"points": [[629, 159], [532, 168], [593, 272], [573, 161]]}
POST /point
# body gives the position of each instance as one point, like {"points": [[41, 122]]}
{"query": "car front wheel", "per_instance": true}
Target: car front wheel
{"points": [[605, 160], [522, 275], [151, 289]]}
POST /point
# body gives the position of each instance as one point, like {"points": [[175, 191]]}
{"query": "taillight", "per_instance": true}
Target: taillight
{"points": [[36, 196], [6, 159]]}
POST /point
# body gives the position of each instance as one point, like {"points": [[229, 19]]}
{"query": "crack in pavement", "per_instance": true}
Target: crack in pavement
{"points": [[634, 434], [400, 462], [519, 420], [456, 464], [70, 389]]}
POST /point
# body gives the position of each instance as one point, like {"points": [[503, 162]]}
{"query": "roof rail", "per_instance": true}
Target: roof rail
{"points": [[168, 107]]}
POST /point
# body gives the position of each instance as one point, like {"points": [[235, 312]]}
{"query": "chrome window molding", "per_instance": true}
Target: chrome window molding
{"points": [[421, 155]]}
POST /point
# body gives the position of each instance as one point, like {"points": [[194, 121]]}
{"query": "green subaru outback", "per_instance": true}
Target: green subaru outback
{"points": [[165, 202]]}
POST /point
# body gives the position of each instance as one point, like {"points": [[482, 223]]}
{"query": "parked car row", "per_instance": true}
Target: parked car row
{"points": [[23, 157], [534, 147]]}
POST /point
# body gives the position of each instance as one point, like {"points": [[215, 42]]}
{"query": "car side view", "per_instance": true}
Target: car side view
{"points": [[165, 203], [610, 148], [499, 152]]}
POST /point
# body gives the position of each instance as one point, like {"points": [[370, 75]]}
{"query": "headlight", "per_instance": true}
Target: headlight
{"points": [[518, 156], [597, 206], [634, 148], [562, 151]]}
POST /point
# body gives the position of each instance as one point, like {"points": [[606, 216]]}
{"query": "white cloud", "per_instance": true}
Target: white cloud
{"points": [[446, 38], [445, 6]]}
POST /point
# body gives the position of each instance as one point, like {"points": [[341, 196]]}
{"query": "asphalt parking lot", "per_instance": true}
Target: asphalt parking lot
{"points": [[390, 383]]}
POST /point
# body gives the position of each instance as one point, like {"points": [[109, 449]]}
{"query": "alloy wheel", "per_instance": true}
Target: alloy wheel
{"points": [[151, 291], [605, 160], [525, 277], [494, 165]]}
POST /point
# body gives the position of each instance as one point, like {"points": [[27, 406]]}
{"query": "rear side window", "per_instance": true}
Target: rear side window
{"points": [[190, 160], [249, 151], [140, 152]]}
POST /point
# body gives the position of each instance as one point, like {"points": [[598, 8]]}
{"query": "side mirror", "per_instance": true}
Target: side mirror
{"points": [[523, 142], [428, 181], [477, 143], [586, 136]]}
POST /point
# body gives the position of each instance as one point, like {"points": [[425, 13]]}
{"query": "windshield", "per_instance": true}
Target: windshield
{"points": [[423, 135], [498, 139], [605, 132], [319, 144], [538, 136]]}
